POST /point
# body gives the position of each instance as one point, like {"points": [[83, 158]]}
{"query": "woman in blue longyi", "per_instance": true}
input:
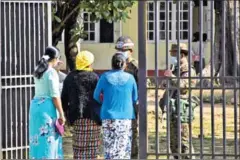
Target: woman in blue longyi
{"points": [[119, 91], [45, 109]]}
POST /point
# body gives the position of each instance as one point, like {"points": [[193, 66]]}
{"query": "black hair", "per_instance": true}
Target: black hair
{"points": [[50, 54], [118, 61]]}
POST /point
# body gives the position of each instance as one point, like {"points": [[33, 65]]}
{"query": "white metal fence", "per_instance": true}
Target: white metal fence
{"points": [[25, 32]]}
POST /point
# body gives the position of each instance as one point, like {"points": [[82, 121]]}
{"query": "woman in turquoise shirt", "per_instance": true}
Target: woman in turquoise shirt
{"points": [[45, 109], [119, 91]]}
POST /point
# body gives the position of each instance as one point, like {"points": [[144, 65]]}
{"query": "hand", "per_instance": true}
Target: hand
{"points": [[62, 120], [58, 65], [168, 73]]}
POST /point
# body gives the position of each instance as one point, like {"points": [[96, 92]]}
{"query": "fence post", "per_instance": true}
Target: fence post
{"points": [[142, 79], [0, 82]]}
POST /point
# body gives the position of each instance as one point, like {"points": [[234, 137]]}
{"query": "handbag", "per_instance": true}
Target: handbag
{"points": [[59, 127]]}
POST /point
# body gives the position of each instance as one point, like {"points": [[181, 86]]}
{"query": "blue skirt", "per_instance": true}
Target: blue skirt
{"points": [[44, 141]]}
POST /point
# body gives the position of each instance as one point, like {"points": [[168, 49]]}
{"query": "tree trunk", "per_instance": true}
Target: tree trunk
{"points": [[70, 39], [230, 58], [57, 26]]}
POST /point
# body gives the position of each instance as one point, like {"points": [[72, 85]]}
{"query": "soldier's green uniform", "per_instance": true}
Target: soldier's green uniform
{"points": [[185, 119], [124, 44]]}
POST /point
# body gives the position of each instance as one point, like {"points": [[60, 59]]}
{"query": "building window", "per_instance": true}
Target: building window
{"points": [[101, 31], [106, 32], [172, 26], [89, 27]]}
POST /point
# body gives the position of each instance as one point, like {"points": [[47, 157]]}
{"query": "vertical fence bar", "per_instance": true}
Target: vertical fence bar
{"points": [[30, 66], [178, 82], [167, 67], [25, 71], [34, 35], [190, 72], [5, 71], [43, 20], [39, 32], [1, 156], [212, 82], [30, 44], [21, 102], [156, 30], [142, 79], [235, 81], [10, 74], [50, 22], [15, 82], [201, 84], [223, 25]]}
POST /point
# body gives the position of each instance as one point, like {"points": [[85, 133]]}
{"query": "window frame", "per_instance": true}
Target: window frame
{"points": [[97, 33], [173, 21]]}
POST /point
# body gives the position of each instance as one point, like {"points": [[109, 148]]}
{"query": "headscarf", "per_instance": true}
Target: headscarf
{"points": [[83, 60]]}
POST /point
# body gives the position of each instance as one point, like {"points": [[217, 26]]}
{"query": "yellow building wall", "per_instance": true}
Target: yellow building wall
{"points": [[103, 51]]}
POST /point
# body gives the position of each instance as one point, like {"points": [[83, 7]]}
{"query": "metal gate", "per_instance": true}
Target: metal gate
{"points": [[211, 139], [25, 32]]}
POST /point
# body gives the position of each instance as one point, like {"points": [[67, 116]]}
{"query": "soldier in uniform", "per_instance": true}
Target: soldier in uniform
{"points": [[125, 46], [185, 118]]}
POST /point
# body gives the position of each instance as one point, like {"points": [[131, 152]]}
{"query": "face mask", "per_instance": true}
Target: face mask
{"points": [[125, 54], [173, 60]]}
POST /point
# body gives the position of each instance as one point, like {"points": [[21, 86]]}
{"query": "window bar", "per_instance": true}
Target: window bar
{"points": [[167, 67], [212, 82], [156, 30], [178, 81], [200, 18], [190, 73], [223, 25], [236, 140]]}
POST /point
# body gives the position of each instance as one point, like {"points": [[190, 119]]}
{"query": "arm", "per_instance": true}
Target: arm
{"points": [[55, 93], [134, 92], [64, 96], [99, 89]]}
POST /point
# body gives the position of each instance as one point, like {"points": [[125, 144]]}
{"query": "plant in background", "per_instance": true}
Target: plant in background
{"points": [[66, 15]]}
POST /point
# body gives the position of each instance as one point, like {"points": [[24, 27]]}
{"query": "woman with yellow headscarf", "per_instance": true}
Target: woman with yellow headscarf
{"points": [[82, 111]]}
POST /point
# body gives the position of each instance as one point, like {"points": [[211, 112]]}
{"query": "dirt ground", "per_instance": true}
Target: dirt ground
{"points": [[207, 126]]}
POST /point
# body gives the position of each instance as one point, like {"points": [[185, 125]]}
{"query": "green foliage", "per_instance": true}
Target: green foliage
{"points": [[111, 10], [78, 33]]}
